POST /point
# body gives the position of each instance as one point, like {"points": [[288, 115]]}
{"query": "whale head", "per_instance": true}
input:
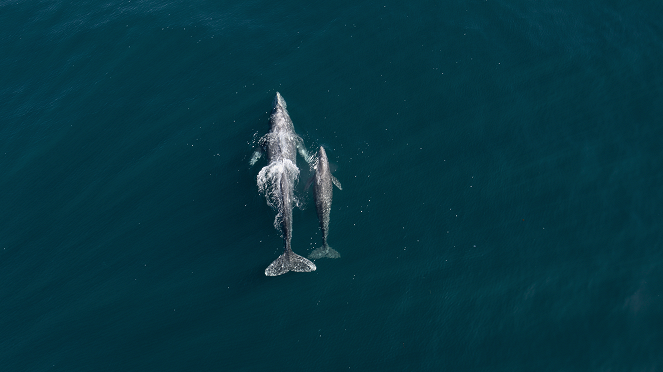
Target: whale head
{"points": [[280, 120], [279, 101], [322, 154]]}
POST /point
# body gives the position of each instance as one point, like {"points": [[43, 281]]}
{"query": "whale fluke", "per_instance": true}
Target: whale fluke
{"points": [[324, 251], [289, 261]]}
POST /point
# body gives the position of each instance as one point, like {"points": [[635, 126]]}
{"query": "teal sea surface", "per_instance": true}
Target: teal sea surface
{"points": [[501, 163]]}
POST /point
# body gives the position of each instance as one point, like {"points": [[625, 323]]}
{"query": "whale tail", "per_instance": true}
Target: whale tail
{"points": [[324, 251], [289, 261]]}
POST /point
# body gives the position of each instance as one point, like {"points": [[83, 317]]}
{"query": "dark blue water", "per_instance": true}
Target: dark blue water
{"points": [[501, 165]]}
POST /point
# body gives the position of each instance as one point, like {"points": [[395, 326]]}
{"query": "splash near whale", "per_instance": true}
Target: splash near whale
{"points": [[277, 181]]}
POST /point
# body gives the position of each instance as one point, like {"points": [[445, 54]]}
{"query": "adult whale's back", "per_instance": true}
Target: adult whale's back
{"points": [[323, 191], [277, 180], [281, 142]]}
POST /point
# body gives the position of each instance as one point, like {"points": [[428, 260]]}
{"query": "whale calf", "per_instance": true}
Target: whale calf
{"points": [[277, 180], [323, 190]]}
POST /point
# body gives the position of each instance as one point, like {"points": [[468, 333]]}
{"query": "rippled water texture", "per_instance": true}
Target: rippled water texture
{"points": [[501, 166]]}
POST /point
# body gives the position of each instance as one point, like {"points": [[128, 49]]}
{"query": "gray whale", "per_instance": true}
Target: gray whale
{"points": [[277, 180], [323, 190]]}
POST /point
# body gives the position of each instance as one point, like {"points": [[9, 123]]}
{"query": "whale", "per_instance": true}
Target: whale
{"points": [[277, 181], [322, 192]]}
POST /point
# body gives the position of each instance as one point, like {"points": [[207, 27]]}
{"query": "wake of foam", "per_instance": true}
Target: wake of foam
{"points": [[269, 184]]}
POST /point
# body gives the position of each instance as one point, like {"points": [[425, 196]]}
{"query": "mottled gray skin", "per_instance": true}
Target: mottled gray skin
{"points": [[323, 191], [281, 144]]}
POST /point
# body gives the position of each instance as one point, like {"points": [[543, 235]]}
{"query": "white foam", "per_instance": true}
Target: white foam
{"points": [[269, 184]]}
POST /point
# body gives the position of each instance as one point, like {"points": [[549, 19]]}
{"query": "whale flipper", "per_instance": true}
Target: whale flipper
{"points": [[324, 251], [336, 182], [289, 261], [255, 157], [301, 148]]}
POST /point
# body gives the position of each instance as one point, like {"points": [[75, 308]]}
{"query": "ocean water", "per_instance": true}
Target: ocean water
{"points": [[501, 163]]}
